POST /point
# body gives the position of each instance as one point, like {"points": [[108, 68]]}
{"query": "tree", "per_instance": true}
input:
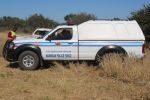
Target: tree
{"points": [[116, 18], [79, 18], [28, 25], [10, 22], [142, 16], [38, 20]]}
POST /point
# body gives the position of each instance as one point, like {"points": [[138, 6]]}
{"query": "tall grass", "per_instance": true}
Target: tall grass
{"points": [[127, 69], [115, 80]]}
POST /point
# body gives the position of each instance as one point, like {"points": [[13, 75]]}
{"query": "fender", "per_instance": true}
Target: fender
{"points": [[110, 49], [30, 47]]}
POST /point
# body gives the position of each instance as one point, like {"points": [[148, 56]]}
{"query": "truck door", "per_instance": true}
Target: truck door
{"points": [[63, 45]]}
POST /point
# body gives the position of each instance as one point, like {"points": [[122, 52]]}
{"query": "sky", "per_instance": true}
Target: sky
{"points": [[57, 9]]}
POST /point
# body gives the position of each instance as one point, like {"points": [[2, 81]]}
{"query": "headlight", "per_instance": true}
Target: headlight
{"points": [[11, 45]]}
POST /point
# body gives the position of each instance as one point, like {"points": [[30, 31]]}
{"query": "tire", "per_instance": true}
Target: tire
{"points": [[99, 57], [28, 60]]}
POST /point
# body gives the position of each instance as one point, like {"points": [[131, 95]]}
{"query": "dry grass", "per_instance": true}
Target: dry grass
{"points": [[117, 79], [3, 38], [127, 69]]}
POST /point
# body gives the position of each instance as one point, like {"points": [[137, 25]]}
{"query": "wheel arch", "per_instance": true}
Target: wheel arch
{"points": [[111, 49], [28, 47]]}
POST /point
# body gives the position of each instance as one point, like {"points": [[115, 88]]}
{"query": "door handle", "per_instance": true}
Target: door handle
{"points": [[70, 43], [57, 43]]}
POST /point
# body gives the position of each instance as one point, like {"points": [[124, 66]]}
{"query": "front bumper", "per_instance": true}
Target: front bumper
{"points": [[9, 55]]}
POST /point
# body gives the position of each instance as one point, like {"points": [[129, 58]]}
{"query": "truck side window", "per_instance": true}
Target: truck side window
{"points": [[62, 34]]}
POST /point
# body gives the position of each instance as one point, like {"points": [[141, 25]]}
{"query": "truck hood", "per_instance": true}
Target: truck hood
{"points": [[23, 37], [26, 40]]}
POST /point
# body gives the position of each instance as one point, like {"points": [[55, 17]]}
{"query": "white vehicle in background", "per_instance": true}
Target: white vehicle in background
{"points": [[40, 32], [90, 40]]}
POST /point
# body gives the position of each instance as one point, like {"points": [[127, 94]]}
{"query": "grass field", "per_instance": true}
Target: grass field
{"points": [[114, 80]]}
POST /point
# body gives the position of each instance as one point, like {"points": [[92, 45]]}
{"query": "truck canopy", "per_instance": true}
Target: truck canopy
{"points": [[110, 30]]}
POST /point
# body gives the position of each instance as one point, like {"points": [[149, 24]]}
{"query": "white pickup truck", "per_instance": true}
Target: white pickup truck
{"points": [[87, 41]]}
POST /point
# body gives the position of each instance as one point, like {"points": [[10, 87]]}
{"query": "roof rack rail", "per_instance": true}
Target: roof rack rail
{"points": [[113, 19]]}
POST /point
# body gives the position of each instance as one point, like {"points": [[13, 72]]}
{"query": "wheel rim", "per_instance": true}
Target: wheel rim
{"points": [[28, 61]]}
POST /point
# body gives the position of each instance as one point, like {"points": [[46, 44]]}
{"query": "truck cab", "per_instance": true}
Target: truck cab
{"points": [[62, 43]]}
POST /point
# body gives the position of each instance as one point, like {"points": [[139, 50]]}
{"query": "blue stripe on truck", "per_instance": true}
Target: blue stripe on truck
{"points": [[87, 43]]}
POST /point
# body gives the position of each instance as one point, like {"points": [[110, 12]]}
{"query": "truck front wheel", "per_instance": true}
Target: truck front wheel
{"points": [[28, 60]]}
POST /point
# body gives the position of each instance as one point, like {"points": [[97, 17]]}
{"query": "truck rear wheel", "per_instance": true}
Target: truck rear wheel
{"points": [[99, 58], [28, 60]]}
